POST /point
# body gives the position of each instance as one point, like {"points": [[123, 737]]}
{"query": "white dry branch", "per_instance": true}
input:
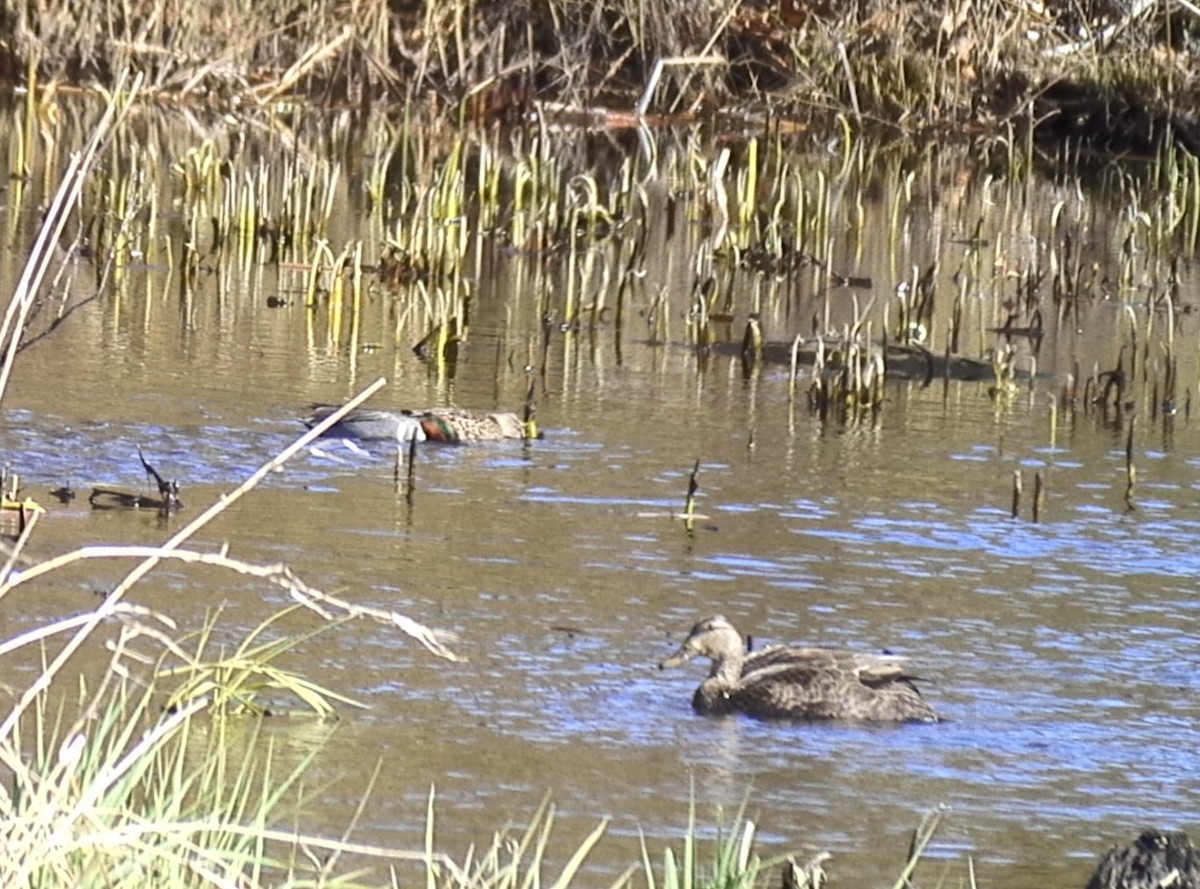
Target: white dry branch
{"points": [[328, 606]]}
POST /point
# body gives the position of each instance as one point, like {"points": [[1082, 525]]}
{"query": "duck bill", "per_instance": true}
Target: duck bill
{"points": [[680, 657]]}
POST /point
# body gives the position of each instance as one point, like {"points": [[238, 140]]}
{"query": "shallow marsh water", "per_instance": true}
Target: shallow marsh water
{"points": [[1060, 653]]}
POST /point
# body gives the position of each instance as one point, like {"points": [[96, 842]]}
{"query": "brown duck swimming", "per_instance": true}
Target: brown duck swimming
{"points": [[799, 683], [446, 424]]}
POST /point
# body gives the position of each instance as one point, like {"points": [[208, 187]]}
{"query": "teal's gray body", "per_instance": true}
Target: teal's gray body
{"points": [[445, 424]]}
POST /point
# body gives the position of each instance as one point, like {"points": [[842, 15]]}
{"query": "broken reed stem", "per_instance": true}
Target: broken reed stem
{"points": [[689, 508], [916, 848], [108, 606], [530, 421], [411, 469], [1016, 493], [946, 378], [14, 553], [25, 143], [1039, 496], [794, 369], [752, 341], [1130, 469]]}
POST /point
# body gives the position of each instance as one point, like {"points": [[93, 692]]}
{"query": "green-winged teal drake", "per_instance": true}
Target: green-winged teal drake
{"points": [[799, 683], [446, 424]]}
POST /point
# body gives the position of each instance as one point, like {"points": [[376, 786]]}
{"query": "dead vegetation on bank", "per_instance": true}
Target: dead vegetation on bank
{"points": [[1107, 72]]}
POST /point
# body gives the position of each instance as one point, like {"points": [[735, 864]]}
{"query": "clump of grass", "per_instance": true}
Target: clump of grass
{"points": [[734, 864], [237, 682], [126, 794], [512, 859]]}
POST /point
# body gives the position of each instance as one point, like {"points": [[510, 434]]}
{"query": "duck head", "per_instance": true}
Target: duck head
{"points": [[714, 638]]}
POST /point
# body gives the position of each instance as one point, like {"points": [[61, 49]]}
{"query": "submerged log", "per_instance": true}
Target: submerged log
{"points": [[906, 362]]}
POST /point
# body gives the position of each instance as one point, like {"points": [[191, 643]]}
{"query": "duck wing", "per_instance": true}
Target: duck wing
{"points": [[818, 683], [369, 424], [796, 685], [879, 670], [482, 425], [318, 412], [869, 668]]}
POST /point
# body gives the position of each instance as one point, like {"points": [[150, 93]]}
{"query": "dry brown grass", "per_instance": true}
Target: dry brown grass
{"points": [[907, 67]]}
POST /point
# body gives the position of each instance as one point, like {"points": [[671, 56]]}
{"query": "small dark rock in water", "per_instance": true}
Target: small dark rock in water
{"points": [[1157, 859]]}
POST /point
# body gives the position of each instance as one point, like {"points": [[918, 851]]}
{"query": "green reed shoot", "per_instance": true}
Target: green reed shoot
{"points": [[23, 164]]}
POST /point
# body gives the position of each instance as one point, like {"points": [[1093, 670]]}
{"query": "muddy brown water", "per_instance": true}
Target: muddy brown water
{"points": [[1061, 654]]}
